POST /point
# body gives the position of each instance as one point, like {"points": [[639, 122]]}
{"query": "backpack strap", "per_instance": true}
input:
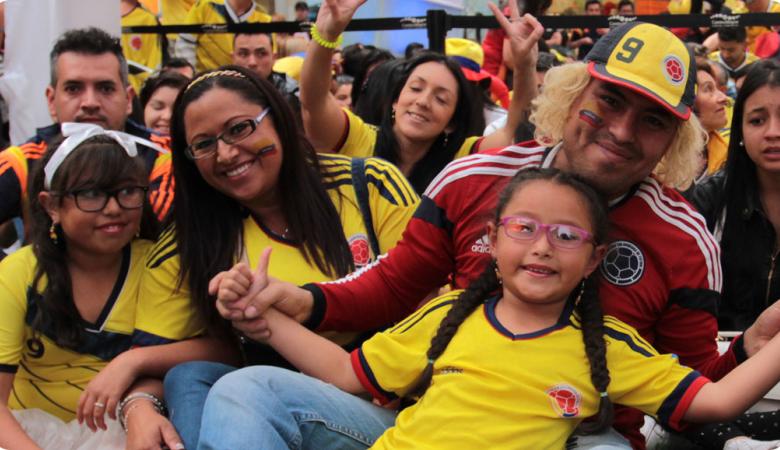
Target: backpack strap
{"points": [[360, 183]]}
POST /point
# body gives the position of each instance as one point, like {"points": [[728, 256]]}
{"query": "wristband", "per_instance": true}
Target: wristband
{"points": [[123, 409], [322, 42]]}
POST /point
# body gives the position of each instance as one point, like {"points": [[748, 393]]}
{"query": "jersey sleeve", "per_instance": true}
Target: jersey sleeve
{"points": [[10, 185], [389, 363], [15, 278], [164, 313], [359, 138], [393, 201], [161, 186], [641, 378], [392, 286]]}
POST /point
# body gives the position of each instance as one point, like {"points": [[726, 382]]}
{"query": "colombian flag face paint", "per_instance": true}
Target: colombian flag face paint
{"points": [[590, 115]]}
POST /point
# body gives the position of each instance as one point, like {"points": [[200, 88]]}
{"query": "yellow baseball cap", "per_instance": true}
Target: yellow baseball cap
{"points": [[647, 59], [289, 65]]}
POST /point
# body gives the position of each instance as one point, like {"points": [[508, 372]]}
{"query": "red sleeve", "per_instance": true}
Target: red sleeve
{"points": [[391, 288]]}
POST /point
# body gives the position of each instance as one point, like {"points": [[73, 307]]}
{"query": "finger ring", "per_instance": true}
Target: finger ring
{"points": [[99, 405]]}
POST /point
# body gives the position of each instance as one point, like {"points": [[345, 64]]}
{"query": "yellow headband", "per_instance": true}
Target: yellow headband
{"points": [[216, 73]]}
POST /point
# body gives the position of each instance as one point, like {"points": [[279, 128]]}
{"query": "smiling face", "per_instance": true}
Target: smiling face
{"points": [[710, 104], [614, 137], [426, 103], [89, 89], [159, 108], [761, 129], [248, 170], [535, 272]]}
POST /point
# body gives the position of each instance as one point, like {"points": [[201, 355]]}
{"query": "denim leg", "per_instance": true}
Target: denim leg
{"points": [[608, 439], [269, 408], [186, 388]]}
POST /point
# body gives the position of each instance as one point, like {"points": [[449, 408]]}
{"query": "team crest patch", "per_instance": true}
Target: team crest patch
{"points": [[674, 69], [565, 400], [624, 263], [361, 251], [136, 42]]}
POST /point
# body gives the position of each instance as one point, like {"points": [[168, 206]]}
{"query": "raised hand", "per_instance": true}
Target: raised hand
{"points": [[523, 34], [334, 15]]}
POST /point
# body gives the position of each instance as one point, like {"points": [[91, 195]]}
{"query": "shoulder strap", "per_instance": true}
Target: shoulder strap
{"points": [[361, 191]]}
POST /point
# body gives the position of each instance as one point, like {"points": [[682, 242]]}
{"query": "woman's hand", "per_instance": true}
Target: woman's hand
{"points": [[334, 15], [103, 393], [148, 430], [523, 34], [231, 289]]}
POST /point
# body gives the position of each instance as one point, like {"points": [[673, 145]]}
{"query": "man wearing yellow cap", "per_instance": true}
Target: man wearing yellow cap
{"points": [[622, 121]]}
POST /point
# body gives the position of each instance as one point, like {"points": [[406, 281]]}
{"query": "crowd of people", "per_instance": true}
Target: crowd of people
{"points": [[228, 245]]}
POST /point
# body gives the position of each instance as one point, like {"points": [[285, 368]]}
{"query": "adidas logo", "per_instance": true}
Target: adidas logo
{"points": [[482, 245]]}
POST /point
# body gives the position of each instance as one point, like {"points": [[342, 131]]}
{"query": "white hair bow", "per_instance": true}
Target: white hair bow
{"points": [[76, 133]]}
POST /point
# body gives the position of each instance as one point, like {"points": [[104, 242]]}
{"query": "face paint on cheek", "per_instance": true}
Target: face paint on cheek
{"points": [[590, 115], [267, 148]]}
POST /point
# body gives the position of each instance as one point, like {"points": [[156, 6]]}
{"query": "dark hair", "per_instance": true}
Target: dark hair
{"points": [[372, 100], [592, 2], [587, 305], [301, 6], [101, 163], [268, 35], [546, 61], [623, 3], [89, 41], [173, 80], [177, 63], [468, 121], [412, 49], [732, 34], [209, 229], [361, 69], [742, 178]]}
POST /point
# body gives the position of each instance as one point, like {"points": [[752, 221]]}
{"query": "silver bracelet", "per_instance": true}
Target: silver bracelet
{"points": [[135, 396]]}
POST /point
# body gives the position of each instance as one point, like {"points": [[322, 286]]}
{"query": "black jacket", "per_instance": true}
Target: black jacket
{"points": [[751, 281]]}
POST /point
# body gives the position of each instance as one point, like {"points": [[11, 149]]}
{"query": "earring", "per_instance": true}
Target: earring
{"points": [[498, 273], [53, 233], [446, 138], [579, 295], [741, 144], [392, 114]]}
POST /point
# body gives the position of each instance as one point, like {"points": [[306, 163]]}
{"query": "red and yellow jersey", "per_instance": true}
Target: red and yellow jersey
{"points": [[166, 313], [529, 390], [144, 52]]}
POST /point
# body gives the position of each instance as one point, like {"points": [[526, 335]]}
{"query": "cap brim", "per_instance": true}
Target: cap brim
{"points": [[598, 70]]}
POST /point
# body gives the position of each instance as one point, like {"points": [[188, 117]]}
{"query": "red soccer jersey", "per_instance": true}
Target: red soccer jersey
{"points": [[661, 273]]}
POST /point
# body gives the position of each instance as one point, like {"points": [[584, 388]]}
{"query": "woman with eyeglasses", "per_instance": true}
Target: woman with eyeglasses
{"points": [[433, 117], [247, 179], [67, 301]]}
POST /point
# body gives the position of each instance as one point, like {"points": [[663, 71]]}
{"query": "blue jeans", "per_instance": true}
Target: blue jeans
{"points": [[186, 388], [608, 439], [264, 407]]}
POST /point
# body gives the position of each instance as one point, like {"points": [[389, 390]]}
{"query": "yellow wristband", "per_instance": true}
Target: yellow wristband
{"points": [[322, 42]]}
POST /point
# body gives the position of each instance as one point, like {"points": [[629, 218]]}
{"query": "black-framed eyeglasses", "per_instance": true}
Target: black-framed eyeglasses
{"points": [[94, 200], [204, 147]]}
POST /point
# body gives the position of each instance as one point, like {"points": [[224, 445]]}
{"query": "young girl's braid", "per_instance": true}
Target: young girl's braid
{"points": [[467, 301], [592, 319]]}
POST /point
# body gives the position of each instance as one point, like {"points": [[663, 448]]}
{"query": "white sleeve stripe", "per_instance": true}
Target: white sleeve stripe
{"points": [[692, 216], [452, 175], [481, 158], [356, 274], [711, 256]]}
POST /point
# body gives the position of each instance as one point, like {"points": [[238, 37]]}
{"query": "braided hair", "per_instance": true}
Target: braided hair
{"points": [[586, 298]]}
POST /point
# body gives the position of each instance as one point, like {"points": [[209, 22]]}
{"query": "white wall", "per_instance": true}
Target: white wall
{"points": [[32, 27]]}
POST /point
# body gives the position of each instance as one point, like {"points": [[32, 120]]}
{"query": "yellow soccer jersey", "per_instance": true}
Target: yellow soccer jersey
{"points": [[50, 377], [360, 139], [215, 49], [143, 51], [750, 58], [165, 315], [518, 391], [174, 12]]}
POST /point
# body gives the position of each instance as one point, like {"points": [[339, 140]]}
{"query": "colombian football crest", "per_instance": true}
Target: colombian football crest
{"points": [[361, 251], [565, 400]]}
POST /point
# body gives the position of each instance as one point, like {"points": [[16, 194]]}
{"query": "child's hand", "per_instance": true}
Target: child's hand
{"points": [[231, 288], [103, 393], [523, 34], [147, 429], [334, 16]]}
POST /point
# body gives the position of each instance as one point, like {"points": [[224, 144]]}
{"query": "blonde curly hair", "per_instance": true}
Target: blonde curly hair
{"points": [[564, 84]]}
